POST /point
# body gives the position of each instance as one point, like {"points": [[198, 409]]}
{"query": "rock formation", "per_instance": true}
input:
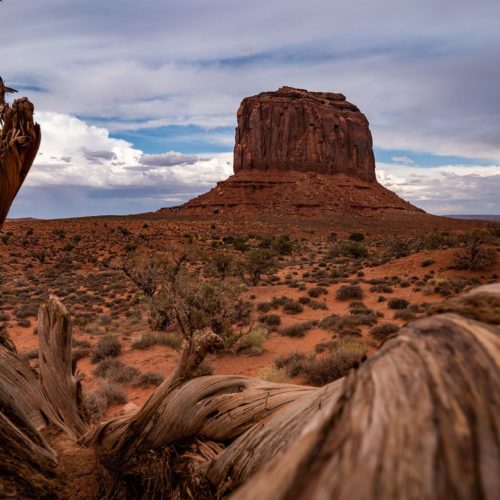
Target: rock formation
{"points": [[293, 129], [298, 154]]}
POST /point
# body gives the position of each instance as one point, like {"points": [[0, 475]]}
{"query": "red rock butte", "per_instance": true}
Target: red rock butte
{"points": [[298, 154], [293, 129]]}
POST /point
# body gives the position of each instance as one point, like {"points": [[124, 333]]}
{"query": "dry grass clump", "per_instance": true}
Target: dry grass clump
{"points": [[115, 371], [147, 340], [274, 374], [147, 379], [253, 342], [107, 346], [101, 399]]}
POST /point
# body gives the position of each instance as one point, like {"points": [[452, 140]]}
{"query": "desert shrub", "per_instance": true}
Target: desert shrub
{"points": [[292, 363], [264, 307], [101, 399], [317, 291], [270, 320], [336, 364], [316, 304], [25, 322], [380, 332], [282, 245], [222, 264], [293, 307], [473, 254], [304, 300], [381, 288], [323, 346], [252, 343], [427, 262], [298, 329], [356, 236], [273, 374], [150, 339], [258, 262], [107, 346], [349, 248], [405, 314], [115, 371], [147, 379], [349, 292], [397, 303]]}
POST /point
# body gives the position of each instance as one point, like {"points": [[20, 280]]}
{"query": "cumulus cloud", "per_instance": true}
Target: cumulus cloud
{"points": [[450, 189]]}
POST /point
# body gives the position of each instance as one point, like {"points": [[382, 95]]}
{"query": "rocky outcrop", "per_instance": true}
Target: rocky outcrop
{"points": [[293, 129]]}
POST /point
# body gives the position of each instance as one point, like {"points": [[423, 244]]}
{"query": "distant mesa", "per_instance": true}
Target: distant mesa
{"points": [[298, 154]]}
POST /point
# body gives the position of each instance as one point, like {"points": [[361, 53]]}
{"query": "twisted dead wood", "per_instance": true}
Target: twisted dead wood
{"points": [[19, 142], [419, 420]]}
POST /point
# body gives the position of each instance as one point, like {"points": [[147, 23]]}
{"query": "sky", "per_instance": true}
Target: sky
{"points": [[137, 100]]}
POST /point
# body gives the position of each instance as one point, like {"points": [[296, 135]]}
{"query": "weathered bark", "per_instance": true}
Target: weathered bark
{"points": [[419, 420], [19, 142], [59, 382], [29, 403]]}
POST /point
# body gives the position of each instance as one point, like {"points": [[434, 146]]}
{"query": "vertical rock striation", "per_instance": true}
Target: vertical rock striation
{"points": [[293, 129]]}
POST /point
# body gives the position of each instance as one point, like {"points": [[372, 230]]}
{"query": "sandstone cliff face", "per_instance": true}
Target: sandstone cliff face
{"points": [[293, 129]]}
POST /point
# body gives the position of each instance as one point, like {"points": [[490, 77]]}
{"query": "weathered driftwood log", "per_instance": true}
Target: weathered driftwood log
{"points": [[19, 143]]}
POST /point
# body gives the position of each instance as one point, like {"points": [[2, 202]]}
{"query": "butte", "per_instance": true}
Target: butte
{"points": [[304, 156]]}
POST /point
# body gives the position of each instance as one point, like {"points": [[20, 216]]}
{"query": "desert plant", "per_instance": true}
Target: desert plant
{"points": [[397, 303], [298, 329], [252, 343], [150, 339], [349, 292], [258, 262], [356, 237], [473, 254], [270, 319], [382, 331], [107, 346], [334, 365]]}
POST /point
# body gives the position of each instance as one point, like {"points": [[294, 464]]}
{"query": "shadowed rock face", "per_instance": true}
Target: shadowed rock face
{"points": [[293, 129]]}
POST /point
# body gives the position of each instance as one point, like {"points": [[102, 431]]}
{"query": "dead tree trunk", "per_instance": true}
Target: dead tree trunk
{"points": [[19, 142]]}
